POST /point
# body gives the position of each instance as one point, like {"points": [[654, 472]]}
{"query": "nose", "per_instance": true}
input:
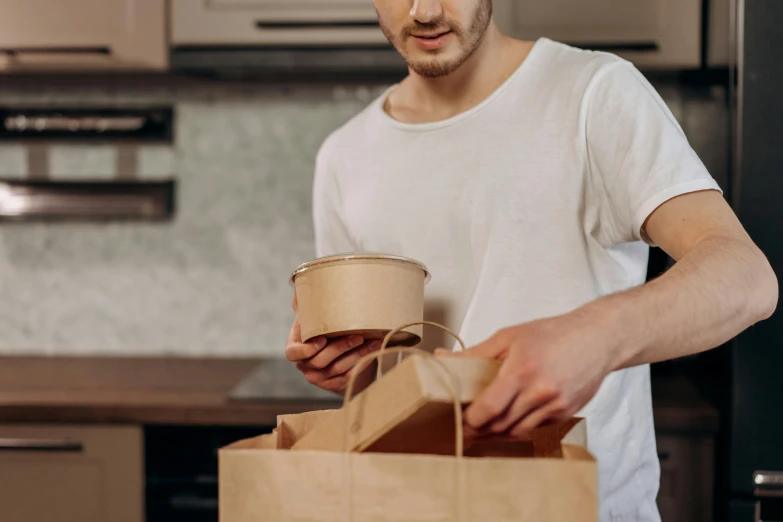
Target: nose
{"points": [[425, 11]]}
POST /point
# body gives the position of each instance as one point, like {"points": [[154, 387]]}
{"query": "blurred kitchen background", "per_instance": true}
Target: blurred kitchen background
{"points": [[156, 162]]}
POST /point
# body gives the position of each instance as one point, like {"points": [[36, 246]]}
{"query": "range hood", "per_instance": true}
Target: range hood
{"points": [[37, 196], [249, 37]]}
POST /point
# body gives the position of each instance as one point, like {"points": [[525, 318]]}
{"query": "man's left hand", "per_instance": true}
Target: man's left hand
{"points": [[552, 368]]}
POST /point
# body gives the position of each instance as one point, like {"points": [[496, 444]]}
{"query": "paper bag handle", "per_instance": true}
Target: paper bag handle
{"points": [[389, 336], [452, 381], [453, 384]]}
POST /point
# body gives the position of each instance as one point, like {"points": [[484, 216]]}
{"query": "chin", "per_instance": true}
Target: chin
{"points": [[431, 70], [434, 65], [434, 68]]}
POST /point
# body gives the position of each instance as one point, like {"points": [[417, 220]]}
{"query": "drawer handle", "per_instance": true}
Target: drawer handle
{"points": [[342, 24], [195, 503], [768, 483], [68, 445], [663, 456], [628, 47]]}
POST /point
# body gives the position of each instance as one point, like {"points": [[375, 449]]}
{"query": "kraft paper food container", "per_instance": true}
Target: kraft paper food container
{"points": [[361, 294]]}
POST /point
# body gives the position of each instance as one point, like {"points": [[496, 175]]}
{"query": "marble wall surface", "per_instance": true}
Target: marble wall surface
{"points": [[215, 280]]}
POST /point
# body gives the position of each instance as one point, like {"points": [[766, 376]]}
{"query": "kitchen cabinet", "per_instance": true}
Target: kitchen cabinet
{"points": [[255, 4], [52, 35], [686, 477], [686, 427], [181, 469], [719, 41], [275, 22], [651, 33], [70, 473]]}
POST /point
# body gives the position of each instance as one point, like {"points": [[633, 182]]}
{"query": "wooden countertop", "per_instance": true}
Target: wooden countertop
{"points": [[135, 390], [196, 392]]}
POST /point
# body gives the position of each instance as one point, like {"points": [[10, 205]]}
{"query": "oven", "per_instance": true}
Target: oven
{"points": [[181, 470], [768, 496]]}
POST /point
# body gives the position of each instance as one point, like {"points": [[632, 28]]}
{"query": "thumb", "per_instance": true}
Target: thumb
{"points": [[489, 349], [443, 352]]}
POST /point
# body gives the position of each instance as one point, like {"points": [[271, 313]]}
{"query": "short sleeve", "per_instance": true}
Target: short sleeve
{"points": [[638, 155], [331, 234]]}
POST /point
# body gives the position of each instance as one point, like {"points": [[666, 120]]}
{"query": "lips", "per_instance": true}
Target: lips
{"points": [[431, 36], [431, 41]]}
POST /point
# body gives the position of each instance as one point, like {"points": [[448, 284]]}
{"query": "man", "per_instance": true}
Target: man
{"points": [[531, 178]]}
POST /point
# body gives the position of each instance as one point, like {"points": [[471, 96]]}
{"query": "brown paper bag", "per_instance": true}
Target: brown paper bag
{"points": [[291, 428], [411, 410], [408, 410], [259, 482]]}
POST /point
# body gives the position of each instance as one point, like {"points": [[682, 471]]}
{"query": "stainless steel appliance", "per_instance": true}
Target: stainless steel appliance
{"points": [[39, 197], [755, 449]]}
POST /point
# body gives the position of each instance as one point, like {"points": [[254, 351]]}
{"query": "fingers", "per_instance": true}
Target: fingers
{"points": [[524, 415], [332, 351], [335, 376], [443, 352], [296, 350], [469, 434], [549, 412], [346, 362], [527, 404], [299, 351], [492, 402], [295, 334], [496, 347]]}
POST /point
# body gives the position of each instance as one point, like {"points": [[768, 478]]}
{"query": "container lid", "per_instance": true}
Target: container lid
{"points": [[358, 256]]}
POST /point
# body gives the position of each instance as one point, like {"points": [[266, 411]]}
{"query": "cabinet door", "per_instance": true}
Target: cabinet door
{"points": [[313, 4], [86, 34], [71, 474], [275, 22], [720, 42], [686, 493], [652, 33]]}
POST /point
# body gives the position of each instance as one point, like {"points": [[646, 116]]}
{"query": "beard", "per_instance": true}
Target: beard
{"points": [[469, 40]]}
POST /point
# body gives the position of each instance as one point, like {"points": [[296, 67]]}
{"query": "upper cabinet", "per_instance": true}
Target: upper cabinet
{"points": [[720, 44], [275, 22], [135, 35], [651, 33], [45, 35]]}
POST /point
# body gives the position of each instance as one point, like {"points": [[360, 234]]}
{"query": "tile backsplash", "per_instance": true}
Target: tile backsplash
{"points": [[215, 280]]}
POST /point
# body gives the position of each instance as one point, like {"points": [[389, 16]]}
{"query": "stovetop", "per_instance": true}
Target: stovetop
{"points": [[278, 379]]}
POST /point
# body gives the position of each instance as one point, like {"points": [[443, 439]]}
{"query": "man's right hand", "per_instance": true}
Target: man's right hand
{"points": [[328, 364]]}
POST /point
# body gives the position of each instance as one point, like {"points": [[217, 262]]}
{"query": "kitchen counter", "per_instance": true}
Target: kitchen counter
{"points": [[148, 391], [230, 392]]}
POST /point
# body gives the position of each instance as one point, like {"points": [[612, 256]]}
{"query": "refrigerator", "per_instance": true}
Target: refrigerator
{"points": [[754, 453]]}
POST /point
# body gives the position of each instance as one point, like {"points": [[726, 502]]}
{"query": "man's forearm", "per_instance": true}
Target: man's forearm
{"points": [[713, 293]]}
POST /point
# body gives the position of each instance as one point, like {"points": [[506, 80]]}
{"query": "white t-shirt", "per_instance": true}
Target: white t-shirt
{"points": [[526, 206]]}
